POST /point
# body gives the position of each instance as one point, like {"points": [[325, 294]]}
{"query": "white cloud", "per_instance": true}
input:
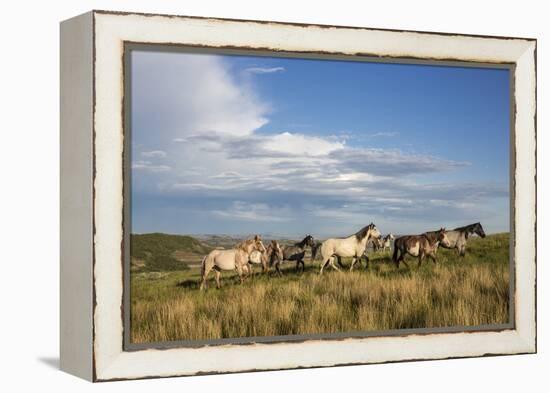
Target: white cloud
{"points": [[301, 145], [264, 70], [383, 134], [154, 154], [253, 212], [180, 94], [150, 167]]}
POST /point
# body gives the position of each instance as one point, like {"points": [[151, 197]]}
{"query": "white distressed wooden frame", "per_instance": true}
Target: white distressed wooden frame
{"points": [[92, 143]]}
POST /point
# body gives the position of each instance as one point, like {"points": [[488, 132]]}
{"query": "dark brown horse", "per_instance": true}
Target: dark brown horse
{"points": [[296, 252], [418, 246]]}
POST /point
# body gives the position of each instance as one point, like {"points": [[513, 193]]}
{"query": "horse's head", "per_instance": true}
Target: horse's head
{"points": [[391, 237], [478, 229], [309, 241], [277, 251], [442, 237], [258, 245], [374, 232]]}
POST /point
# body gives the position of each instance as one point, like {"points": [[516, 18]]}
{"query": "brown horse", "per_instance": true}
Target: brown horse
{"points": [[418, 246]]}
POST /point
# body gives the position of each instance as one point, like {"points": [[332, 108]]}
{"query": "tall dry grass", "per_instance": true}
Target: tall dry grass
{"points": [[455, 292]]}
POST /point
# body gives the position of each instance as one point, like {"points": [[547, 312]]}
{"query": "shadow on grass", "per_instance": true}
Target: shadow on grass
{"points": [[381, 266], [194, 283], [189, 284]]}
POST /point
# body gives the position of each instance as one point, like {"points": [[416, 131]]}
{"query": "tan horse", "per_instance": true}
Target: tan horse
{"points": [[273, 254], [233, 259]]}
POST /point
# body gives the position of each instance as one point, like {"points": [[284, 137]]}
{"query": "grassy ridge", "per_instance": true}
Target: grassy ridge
{"points": [[456, 292], [159, 251]]}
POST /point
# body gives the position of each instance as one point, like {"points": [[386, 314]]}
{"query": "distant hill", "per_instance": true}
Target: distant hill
{"points": [[159, 251], [220, 241]]}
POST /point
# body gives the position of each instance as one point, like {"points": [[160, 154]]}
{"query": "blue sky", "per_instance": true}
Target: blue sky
{"points": [[241, 145]]}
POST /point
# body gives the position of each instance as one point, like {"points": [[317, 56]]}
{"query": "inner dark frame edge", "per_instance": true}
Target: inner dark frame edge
{"points": [[129, 46]]}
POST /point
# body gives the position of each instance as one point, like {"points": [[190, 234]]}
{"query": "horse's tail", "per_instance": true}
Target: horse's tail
{"points": [[395, 252], [203, 266], [314, 251]]}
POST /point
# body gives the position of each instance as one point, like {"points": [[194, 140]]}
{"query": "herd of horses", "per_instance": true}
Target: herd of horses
{"points": [[252, 252]]}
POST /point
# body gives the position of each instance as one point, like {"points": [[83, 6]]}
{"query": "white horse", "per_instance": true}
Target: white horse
{"points": [[386, 242], [234, 259], [351, 246]]}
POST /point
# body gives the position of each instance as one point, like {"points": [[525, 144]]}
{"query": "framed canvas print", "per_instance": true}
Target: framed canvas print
{"points": [[246, 195]]}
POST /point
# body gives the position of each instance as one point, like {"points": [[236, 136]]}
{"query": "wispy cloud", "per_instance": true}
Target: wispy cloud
{"points": [[394, 162], [154, 154], [253, 212], [150, 167], [383, 134], [264, 70]]}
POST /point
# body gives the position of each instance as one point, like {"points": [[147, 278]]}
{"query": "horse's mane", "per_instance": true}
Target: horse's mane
{"points": [[431, 236], [270, 251], [303, 242], [244, 244], [467, 228], [270, 248], [362, 233]]}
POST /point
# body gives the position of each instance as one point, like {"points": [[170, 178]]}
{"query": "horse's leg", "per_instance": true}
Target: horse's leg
{"points": [[218, 274], [278, 268], [462, 250], [353, 262], [420, 258], [339, 260], [323, 266], [303, 265], [333, 265], [367, 260], [204, 277], [395, 257], [297, 265], [432, 256], [240, 273], [402, 259]]}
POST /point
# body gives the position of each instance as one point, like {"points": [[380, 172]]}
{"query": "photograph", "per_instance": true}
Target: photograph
{"points": [[253, 197], [284, 197]]}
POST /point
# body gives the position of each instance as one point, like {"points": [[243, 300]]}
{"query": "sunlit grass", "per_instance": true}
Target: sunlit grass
{"points": [[469, 291]]}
